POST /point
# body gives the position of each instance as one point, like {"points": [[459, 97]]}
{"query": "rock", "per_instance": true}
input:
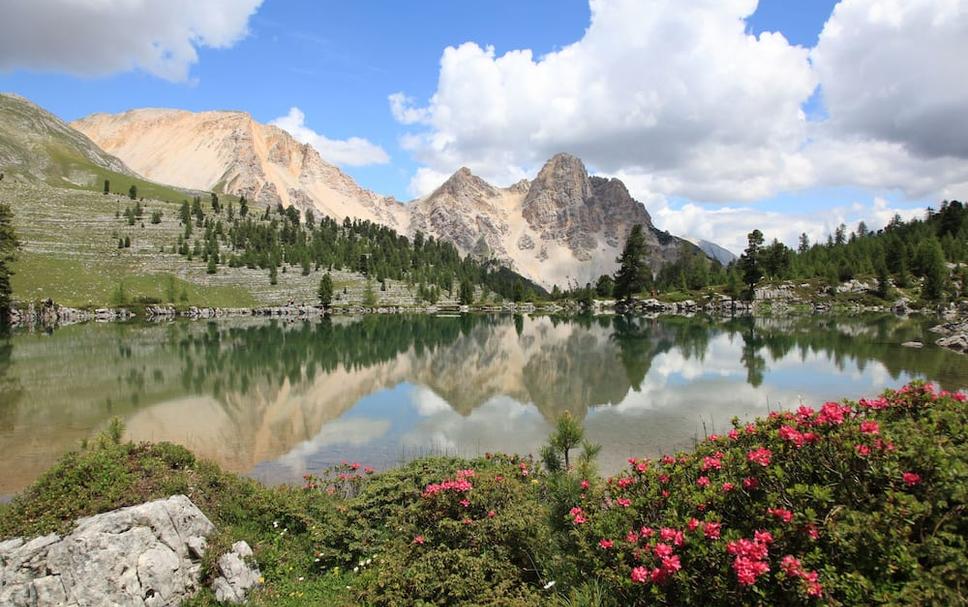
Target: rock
{"points": [[913, 344], [900, 307], [237, 577], [957, 342], [147, 555]]}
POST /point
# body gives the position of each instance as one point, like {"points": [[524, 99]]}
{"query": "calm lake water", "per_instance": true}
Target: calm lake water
{"points": [[275, 400]]}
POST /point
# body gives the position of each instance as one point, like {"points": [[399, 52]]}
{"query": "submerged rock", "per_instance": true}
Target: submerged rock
{"points": [[147, 555]]}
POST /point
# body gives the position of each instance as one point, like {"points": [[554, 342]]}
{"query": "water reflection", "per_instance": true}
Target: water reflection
{"points": [[277, 399]]}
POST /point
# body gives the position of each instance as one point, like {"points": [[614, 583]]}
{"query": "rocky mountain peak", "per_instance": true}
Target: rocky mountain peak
{"points": [[563, 181]]}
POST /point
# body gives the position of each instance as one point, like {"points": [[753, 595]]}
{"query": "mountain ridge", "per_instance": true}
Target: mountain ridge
{"points": [[564, 227]]}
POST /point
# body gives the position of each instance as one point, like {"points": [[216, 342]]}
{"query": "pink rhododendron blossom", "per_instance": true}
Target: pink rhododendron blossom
{"points": [[605, 544], [640, 575], [667, 534], [703, 481], [693, 524], [491, 514], [911, 478], [760, 456], [419, 539], [712, 530], [727, 487], [711, 463], [647, 532], [750, 483], [862, 450], [869, 427], [585, 485], [624, 502], [662, 550], [781, 513], [733, 434], [792, 435]]}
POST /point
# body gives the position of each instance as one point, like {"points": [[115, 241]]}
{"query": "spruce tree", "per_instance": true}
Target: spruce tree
{"points": [[633, 273], [326, 290], [107, 186], [133, 192], [466, 292], [749, 262], [9, 243], [935, 271]]}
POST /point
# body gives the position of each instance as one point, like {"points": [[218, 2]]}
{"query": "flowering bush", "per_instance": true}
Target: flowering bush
{"points": [[857, 503], [850, 504]]}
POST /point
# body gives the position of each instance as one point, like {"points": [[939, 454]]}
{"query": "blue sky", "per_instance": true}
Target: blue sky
{"points": [[338, 62]]}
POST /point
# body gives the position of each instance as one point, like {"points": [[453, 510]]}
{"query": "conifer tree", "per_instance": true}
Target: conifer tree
{"points": [[633, 273], [9, 243]]}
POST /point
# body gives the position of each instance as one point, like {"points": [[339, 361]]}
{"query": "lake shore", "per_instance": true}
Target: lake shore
{"points": [[795, 496]]}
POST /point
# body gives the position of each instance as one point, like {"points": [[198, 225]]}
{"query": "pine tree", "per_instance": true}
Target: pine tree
{"points": [[749, 262], [107, 186], [633, 273], [9, 243], [326, 290], [466, 292], [935, 271], [133, 192], [212, 268]]}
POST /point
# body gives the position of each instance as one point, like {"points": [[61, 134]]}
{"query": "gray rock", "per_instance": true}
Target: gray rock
{"points": [[957, 342], [913, 344], [237, 576], [146, 555]]}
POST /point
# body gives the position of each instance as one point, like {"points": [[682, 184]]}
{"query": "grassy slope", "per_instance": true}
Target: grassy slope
{"points": [[71, 255]]}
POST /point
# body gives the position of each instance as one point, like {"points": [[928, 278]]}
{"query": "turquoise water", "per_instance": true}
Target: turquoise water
{"points": [[276, 400]]}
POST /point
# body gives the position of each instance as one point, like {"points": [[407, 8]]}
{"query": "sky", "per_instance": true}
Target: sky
{"points": [[719, 115]]}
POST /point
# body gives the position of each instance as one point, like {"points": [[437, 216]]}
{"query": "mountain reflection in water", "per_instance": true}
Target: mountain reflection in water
{"points": [[277, 399]]}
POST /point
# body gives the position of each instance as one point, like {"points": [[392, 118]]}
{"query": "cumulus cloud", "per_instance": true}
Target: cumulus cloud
{"points": [[100, 37], [354, 151], [894, 71], [682, 97], [678, 90]]}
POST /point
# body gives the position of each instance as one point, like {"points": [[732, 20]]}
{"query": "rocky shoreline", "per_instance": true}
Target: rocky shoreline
{"points": [[769, 301]]}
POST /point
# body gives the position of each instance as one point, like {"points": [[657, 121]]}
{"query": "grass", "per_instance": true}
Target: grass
{"points": [[109, 474], [71, 255]]}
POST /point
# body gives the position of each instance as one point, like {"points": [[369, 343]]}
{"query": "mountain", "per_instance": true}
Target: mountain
{"points": [[714, 251], [227, 151], [564, 227], [39, 145]]}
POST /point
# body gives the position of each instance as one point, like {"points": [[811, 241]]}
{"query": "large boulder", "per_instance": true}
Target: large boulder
{"points": [[147, 556]]}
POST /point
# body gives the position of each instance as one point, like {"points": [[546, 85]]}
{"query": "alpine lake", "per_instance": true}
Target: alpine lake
{"points": [[278, 399]]}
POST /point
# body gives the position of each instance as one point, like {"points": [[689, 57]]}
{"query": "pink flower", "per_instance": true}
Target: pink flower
{"points": [[668, 460], [791, 565], [419, 539], [713, 437], [693, 524], [640, 575], [781, 513], [750, 428], [642, 467], [911, 478], [624, 502], [763, 537], [465, 503], [663, 478], [760, 456], [585, 485], [369, 470], [465, 474], [675, 536], [491, 514], [727, 487], [750, 483], [862, 450], [647, 532], [632, 537], [833, 414], [869, 427], [605, 544], [711, 463], [662, 550], [812, 531], [711, 530], [625, 482], [792, 435], [733, 434], [703, 481]]}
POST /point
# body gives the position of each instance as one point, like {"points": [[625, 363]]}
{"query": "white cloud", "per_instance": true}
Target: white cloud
{"points": [[100, 37], [354, 151], [681, 97], [894, 71], [679, 91]]}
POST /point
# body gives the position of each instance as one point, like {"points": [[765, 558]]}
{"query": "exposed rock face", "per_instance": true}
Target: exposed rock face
{"points": [[237, 577], [563, 227], [230, 152], [147, 556]]}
